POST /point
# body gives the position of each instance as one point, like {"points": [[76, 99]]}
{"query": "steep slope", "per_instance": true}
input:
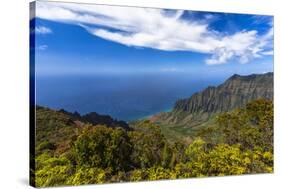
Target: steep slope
{"points": [[234, 92], [201, 108]]}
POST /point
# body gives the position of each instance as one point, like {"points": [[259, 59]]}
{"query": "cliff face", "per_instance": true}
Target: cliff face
{"points": [[234, 92]]}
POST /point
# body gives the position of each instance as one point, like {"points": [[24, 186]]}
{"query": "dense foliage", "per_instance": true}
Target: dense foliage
{"points": [[240, 142]]}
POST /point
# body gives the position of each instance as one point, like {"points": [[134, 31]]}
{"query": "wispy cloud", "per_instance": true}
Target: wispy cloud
{"points": [[43, 30], [260, 19], [160, 29], [268, 53], [42, 47]]}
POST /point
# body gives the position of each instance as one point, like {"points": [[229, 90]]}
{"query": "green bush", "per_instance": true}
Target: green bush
{"points": [[241, 142]]}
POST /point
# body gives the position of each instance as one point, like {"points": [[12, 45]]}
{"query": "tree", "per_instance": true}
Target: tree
{"points": [[103, 147], [240, 142], [250, 126], [147, 145]]}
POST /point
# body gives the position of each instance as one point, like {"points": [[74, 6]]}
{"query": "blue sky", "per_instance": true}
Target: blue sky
{"points": [[99, 39]]}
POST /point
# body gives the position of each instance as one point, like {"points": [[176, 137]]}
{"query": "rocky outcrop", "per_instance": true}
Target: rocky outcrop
{"points": [[235, 92]]}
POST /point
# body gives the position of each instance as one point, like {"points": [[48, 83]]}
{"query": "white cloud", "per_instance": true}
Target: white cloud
{"points": [[268, 53], [43, 30], [244, 46], [159, 29], [42, 47]]}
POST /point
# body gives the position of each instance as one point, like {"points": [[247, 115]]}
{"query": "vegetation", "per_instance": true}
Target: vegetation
{"points": [[68, 153]]}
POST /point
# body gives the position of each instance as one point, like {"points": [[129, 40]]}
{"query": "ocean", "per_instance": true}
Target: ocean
{"points": [[125, 97]]}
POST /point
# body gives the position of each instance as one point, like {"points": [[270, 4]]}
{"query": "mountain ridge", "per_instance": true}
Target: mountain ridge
{"points": [[95, 118], [200, 107], [234, 92]]}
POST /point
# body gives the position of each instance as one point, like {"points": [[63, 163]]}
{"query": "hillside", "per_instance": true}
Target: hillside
{"points": [[201, 108], [70, 152], [56, 129]]}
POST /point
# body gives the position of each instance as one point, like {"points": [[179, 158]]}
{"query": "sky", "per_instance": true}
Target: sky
{"points": [[100, 39]]}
